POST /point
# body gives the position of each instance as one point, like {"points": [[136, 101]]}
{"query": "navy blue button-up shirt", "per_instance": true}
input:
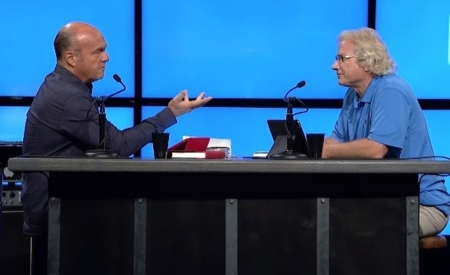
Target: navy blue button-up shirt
{"points": [[63, 121]]}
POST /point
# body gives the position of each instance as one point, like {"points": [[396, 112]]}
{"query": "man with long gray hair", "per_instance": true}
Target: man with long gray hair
{"points": [[381, 118]]}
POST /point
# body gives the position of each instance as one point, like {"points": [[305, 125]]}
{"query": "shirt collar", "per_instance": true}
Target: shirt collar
{"points": [[67, 75], [368, 95]]}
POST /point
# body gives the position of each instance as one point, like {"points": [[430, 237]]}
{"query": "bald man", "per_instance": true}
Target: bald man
{"points": [[60, 121]]}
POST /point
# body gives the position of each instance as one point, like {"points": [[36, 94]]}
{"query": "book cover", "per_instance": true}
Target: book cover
{"points": [[210, 154]]}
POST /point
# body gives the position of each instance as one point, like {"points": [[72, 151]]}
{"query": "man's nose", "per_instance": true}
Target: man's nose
{"points": [[106, 57], [335, 65]]}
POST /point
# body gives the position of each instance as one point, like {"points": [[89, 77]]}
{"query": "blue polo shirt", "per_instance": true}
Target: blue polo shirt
{"points": [[390, 114]]}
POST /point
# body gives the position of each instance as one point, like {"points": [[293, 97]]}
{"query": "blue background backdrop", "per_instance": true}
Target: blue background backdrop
{"points": [[30, 26], [248, 49], [230, 49], [417, 34]]}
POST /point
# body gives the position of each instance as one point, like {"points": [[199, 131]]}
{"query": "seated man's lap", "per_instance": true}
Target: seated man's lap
{"points": [[431, 221]]}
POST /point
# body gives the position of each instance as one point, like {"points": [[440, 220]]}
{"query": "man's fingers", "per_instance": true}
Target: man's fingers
{"points": [[200, 102], [180, 96], [186, 97], [206, 99], [201, 95]]}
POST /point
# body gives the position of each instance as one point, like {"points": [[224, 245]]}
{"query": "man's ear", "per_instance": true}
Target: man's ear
{"points": [[365, 66], [71, 58]]}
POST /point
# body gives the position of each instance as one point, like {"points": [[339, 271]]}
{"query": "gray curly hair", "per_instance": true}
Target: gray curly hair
{"points": [[371, 50]]}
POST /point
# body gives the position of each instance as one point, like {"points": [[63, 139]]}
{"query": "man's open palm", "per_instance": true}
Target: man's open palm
{"points": [[181, 104]]}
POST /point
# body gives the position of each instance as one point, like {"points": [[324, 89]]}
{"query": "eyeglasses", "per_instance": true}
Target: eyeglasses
{"points": [[342, 58]]}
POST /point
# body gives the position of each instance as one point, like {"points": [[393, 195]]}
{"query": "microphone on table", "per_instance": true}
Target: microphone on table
{"points": [[101, 151], [289, 153], [118, 79], [299, 85]]}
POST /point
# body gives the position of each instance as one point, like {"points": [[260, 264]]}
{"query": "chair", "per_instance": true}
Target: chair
{"points": [[434, 242], [434, 255]]}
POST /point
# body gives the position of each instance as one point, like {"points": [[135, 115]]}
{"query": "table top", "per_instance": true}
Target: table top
{"points": [[90, 164]]}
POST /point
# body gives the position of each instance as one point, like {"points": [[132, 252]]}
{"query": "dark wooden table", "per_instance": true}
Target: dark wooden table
{"points": [[133, 216]]}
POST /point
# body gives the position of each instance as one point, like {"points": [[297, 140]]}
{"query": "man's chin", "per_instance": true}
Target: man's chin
{"points": [[98, 78], [342, 83]]}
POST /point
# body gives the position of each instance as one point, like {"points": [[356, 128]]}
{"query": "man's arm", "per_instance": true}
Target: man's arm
{"points": [[126, 142], [330, 140], [80, 121], [361, 148], [389, 123]]}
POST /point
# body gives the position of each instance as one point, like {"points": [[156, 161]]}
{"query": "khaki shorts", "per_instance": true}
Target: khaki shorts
{"points": [[431, 221]]}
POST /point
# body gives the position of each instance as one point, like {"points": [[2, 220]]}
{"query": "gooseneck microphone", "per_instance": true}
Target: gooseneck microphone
{"points": [[289, 154], [101, 151], [299, 85], [104, 98]]}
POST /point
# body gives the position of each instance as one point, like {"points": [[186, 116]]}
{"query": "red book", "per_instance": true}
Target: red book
{"points": [[195, 147], [198, 155]]}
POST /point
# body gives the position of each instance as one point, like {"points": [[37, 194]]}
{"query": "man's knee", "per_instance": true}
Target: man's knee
{"points": [[431, 221]]}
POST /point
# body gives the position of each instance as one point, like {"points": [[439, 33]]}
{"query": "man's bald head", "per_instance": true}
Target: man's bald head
{"points": [[69, 36], [81, 49]]}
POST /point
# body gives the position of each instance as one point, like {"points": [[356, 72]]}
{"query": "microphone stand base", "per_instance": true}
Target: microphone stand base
{"points": [[288, 155], [101, 153]]}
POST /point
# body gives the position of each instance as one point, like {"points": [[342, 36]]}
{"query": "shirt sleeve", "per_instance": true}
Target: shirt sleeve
{"points": [[80, 121], [389, 118], [339, 127]]}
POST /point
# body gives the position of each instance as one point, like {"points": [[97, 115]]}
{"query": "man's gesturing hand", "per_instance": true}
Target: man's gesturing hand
{"points": [[181, 104]]}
